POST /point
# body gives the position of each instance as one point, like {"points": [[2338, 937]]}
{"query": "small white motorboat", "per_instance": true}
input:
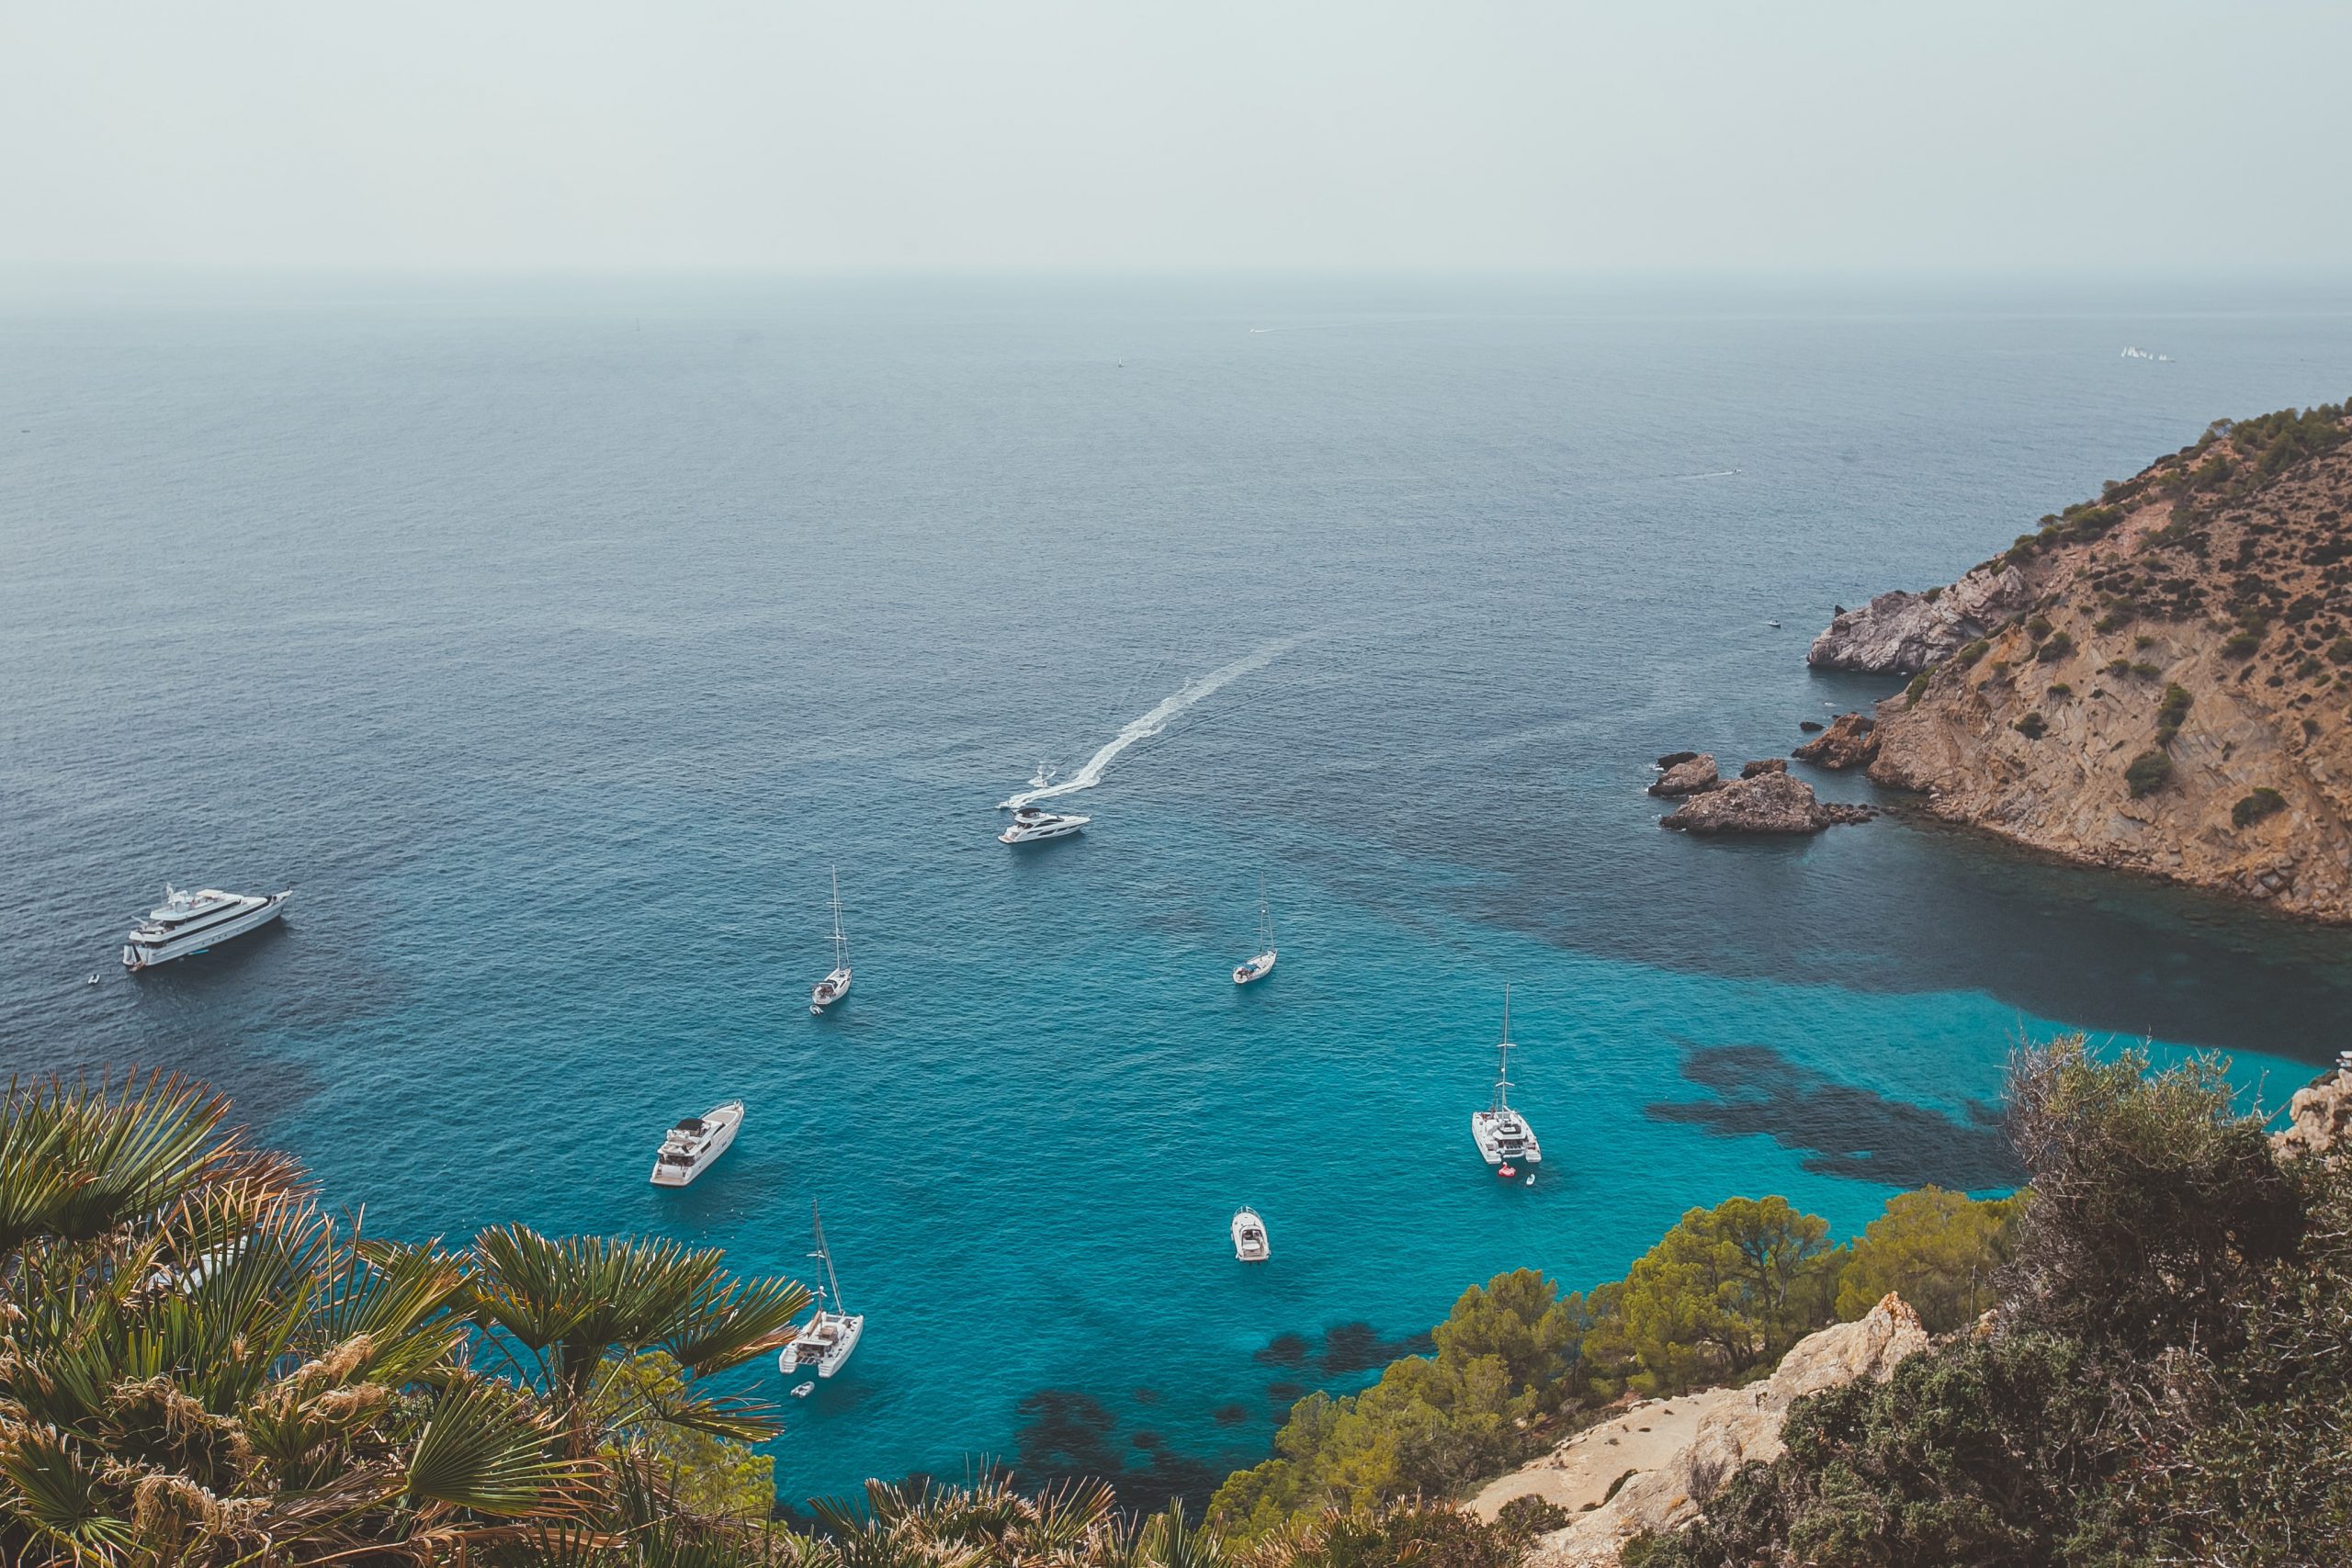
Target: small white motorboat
{"points": [[1250, 1243], [1258, 968], [1031, 824], [823, 1342], [690, 1146], [1502, 1133], [835, 986]]}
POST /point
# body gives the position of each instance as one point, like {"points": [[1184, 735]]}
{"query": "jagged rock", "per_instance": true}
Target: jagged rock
{"points": [[1748, 1428], [1694, 774], [1768, 803], [1900, 633], [1676, 759], [1851, 742], [1764, 765], [2319, 1118], [1810, 726]]}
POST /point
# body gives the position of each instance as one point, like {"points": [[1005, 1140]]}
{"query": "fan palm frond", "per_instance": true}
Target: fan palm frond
{"points": [[77, 1160], [484, 1447]]}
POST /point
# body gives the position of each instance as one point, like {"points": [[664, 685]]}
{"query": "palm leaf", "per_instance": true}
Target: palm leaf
{"points": [[484, 1447]]}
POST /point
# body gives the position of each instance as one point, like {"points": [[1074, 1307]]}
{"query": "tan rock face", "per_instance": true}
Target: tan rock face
{"points": [[1748, 1427], [2234, 589], [1851, 742], [1691, 776], [1768, 802], [2319, 1118]]}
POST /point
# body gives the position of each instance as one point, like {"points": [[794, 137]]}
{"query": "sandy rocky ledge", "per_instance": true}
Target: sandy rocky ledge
{"points": [[1664, 1457]]}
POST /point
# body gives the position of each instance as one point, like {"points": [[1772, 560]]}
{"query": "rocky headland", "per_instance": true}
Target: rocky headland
{"points": [[2158, 681], [1763, 799]]}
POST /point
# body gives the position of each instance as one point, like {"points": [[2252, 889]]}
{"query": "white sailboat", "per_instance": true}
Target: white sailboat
{"points": [[1502, 1133], [835, 986], [824, 1341], [1258, 968]]}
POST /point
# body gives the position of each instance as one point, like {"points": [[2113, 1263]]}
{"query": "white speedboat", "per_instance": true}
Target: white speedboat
{"points": [[1250, 1243], [186, 923], [1031, 824], [824, 1341], [1502, 1133], [835, 986], [1258, 968], [697, 1141]]}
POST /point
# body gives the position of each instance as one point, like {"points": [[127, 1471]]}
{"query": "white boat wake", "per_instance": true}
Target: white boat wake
{"points": [[1153, 723]]}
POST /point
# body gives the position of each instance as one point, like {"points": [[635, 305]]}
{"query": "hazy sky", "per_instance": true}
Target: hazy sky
{"points": [[1251, 134]]}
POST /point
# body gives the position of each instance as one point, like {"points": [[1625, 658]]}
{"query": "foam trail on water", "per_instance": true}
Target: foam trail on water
{"points": [[1155, 721]]}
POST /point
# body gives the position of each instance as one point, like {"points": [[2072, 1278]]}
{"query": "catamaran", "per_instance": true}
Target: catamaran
{"points": [[824, 1341], [1258, 968], [835, 986], [1502, 1133]]}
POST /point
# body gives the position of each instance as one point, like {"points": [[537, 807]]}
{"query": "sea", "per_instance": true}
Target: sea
{"points": [[558, 639]]}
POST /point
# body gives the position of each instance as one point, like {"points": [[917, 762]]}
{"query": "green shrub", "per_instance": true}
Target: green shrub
{"points": [[2142, 639], [2148, 770], [1971, 652], [2171, 712], [2038, 626], [2242, 645], [2254, 807], [2031, 726], [2144, 668], [2340, 651], [2061, 688], [2056, 646], [1916, 684], [2118, 667]]}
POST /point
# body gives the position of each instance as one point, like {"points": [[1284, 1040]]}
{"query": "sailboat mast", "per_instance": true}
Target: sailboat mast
{"points": [[1502, 1072], [833, 1285], [840, 942]]}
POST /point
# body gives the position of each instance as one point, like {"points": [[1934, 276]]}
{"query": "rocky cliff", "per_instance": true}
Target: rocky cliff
{"points": [[2170, 691]]}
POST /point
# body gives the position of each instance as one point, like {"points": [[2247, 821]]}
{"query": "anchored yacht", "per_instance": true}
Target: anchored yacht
{"points": [[695, 1143], [835, 986], [1502, 1133], [1031, 824], [1250, 1243], [187, 923], [824, 1341], [1258, 968]]}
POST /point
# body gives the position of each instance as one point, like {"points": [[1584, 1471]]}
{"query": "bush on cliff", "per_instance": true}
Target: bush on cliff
{"points": [[2255, 806], [2168, 1379], [2148, 772]]}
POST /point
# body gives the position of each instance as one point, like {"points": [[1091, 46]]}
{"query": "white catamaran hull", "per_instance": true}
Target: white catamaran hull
{"points": [[145, 954], [823, 1344], [1504, 1138]]}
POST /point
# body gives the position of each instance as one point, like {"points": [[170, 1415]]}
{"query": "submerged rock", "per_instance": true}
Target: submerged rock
{"points": [[1689, 773], [1810, 726], [1851, 742], [1901, 633], [1766, 803]]}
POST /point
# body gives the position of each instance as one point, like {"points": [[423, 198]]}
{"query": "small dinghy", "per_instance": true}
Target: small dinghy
{"points": [[1250, 1243], [803, 1390]]}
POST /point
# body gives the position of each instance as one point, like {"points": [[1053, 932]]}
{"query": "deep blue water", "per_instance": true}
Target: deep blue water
{"points": [[554, 639]]}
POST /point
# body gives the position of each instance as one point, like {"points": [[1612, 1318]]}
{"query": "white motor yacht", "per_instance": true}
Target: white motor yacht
{"points": [[1258, 968], [187, 923], [1250, 1243], [835, 986], [1030, 824], [1502, 1133], [695, 1141], [824, 1341]]}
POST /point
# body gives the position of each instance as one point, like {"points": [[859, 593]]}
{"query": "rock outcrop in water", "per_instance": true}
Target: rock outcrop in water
{"points": [[1900, 633], [1851, 742], [2319, 1118], [1687, 772], [2173, 697], [1744, 1427], [1767, 802]]}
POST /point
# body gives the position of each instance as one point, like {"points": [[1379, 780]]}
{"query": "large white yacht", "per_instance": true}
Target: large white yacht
{"points": [[1502, 1133], [186, 923], [1250, 1243], [835, 986], [1031, 824], [824, 1341], [695, 1143], [1258, 968]]}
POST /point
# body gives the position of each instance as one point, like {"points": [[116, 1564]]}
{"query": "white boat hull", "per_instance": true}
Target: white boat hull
{"points": [[1256, 969], [1502, 1139], [1018, 834], [1251, 1243], [829, 990], [728, 1120], [823, 1344], [139, 955]]}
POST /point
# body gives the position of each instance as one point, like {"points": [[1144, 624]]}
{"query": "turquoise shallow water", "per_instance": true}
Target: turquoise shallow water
{"points": [[554, 642]]}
